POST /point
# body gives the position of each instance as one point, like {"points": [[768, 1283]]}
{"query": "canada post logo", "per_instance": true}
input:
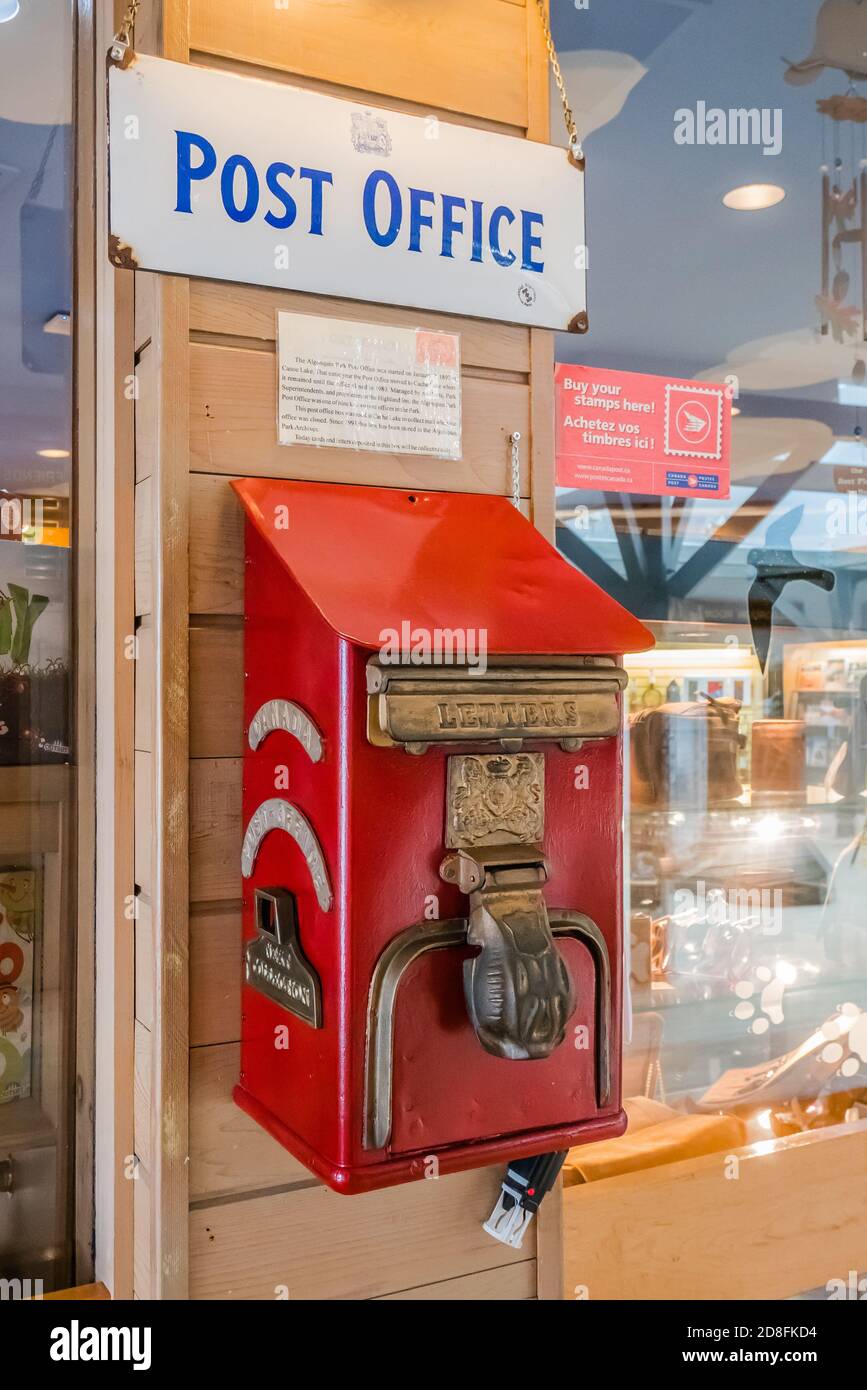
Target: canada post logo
{"points": [[698, 482], [694, 421]]}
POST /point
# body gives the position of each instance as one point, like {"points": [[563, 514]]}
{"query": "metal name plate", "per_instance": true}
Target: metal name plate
{"points": [[420, 707], [283, 714], [495, 800], [278, 814], [276, 965]]}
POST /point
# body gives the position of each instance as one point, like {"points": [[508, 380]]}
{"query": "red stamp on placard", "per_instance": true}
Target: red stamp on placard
{"points": [[436, 349], [693, 421]]}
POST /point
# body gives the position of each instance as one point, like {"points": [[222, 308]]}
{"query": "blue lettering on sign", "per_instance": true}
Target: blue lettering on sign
{"points": [[450, 225], [530, 242], [290, 209], [493, 236], [389, 237], [497, 217], [417, 218], [317, 178], [227, 188], [187, 142]]}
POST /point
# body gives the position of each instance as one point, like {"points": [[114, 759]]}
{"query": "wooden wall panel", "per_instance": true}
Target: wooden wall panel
{"points": [[215, 830], [464, 57], [789, 1221], [322, 1244], [216, 546], [233, 410], [215, 974], [217, 690], [509, 1283], [247, 311], [257, 1217], [228, 1152]]}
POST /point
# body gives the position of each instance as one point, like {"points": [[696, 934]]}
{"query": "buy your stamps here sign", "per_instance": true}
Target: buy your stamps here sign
{"points": [[627, 432]]}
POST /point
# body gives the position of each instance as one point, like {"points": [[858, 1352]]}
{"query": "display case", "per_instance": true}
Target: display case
{"points": [[742, 1172]]}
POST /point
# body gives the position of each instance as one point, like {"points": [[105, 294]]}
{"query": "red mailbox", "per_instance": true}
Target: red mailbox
{"points": [[432, 857]]}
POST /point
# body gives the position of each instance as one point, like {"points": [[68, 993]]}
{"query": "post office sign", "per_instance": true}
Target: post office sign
{"points": [[228, 177]]}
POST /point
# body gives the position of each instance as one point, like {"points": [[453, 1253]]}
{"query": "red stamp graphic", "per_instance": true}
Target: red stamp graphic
{"points": [[693, 421], [436, 349]]}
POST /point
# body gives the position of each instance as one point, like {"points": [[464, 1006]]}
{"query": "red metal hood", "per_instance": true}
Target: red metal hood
{"points": [[374, 558]]}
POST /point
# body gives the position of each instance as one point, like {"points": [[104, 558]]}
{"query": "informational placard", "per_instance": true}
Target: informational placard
{"points": [[230, 177], [348, 385], [628, 432]]}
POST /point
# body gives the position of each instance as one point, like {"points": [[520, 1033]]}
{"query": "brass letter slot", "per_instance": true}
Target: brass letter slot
{"points": [[416, 707]]}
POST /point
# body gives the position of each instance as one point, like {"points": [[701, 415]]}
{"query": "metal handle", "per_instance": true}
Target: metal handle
{"points": [[518, 991]]}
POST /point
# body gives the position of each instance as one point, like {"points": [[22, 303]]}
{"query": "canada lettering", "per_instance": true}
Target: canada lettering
{"points": [[415, 220]]}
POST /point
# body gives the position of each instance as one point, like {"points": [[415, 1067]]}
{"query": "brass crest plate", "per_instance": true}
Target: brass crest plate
{"points": [[495, 799]]}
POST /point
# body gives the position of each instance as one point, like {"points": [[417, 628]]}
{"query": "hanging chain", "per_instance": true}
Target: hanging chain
{"points": [[515, 441], [123, 38], [571, 128]]}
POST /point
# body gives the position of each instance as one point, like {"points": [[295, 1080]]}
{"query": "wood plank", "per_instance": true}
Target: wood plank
{"points": [[468, 58], [347, 1247], [233, 429], [215, 829], [549, 1246], [145, 307], [169, 818], [144, 962], [215, 975], [143, 1262], [216, 691], [542, 451], [147, 409], [229, 1152], [685, 1232], [249, 311], [143, 1095], [538, 82], [216, 546], [143, 548], [145, 688], [144, 822], [507, 1284]]}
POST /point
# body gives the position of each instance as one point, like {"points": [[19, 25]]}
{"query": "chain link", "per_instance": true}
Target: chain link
{"points": [[515, 441], [571, 128], [124, 33]]}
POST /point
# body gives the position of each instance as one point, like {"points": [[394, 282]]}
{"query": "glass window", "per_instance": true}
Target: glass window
{"points": [[37, 917], [748, 722]]}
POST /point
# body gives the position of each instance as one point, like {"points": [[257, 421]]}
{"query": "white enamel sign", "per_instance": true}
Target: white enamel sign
{"points": [[232, 178]]}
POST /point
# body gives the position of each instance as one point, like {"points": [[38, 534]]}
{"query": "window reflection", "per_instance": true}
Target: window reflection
{"points": [[36, 652]]}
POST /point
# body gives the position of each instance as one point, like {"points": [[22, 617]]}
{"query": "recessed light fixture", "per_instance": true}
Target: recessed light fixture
{"points": [[54, 453], [754, 197], [8, 10]]}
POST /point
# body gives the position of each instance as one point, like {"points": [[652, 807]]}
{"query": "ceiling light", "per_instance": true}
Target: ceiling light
{"points": [[8, 10], [54, 453], [753, 197]]}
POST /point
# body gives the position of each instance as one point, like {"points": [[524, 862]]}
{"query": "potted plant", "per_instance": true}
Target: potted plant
{"points": [[33, 700]]}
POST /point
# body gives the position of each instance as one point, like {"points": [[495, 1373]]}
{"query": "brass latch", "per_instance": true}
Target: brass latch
{"points": [[518, 992]]}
